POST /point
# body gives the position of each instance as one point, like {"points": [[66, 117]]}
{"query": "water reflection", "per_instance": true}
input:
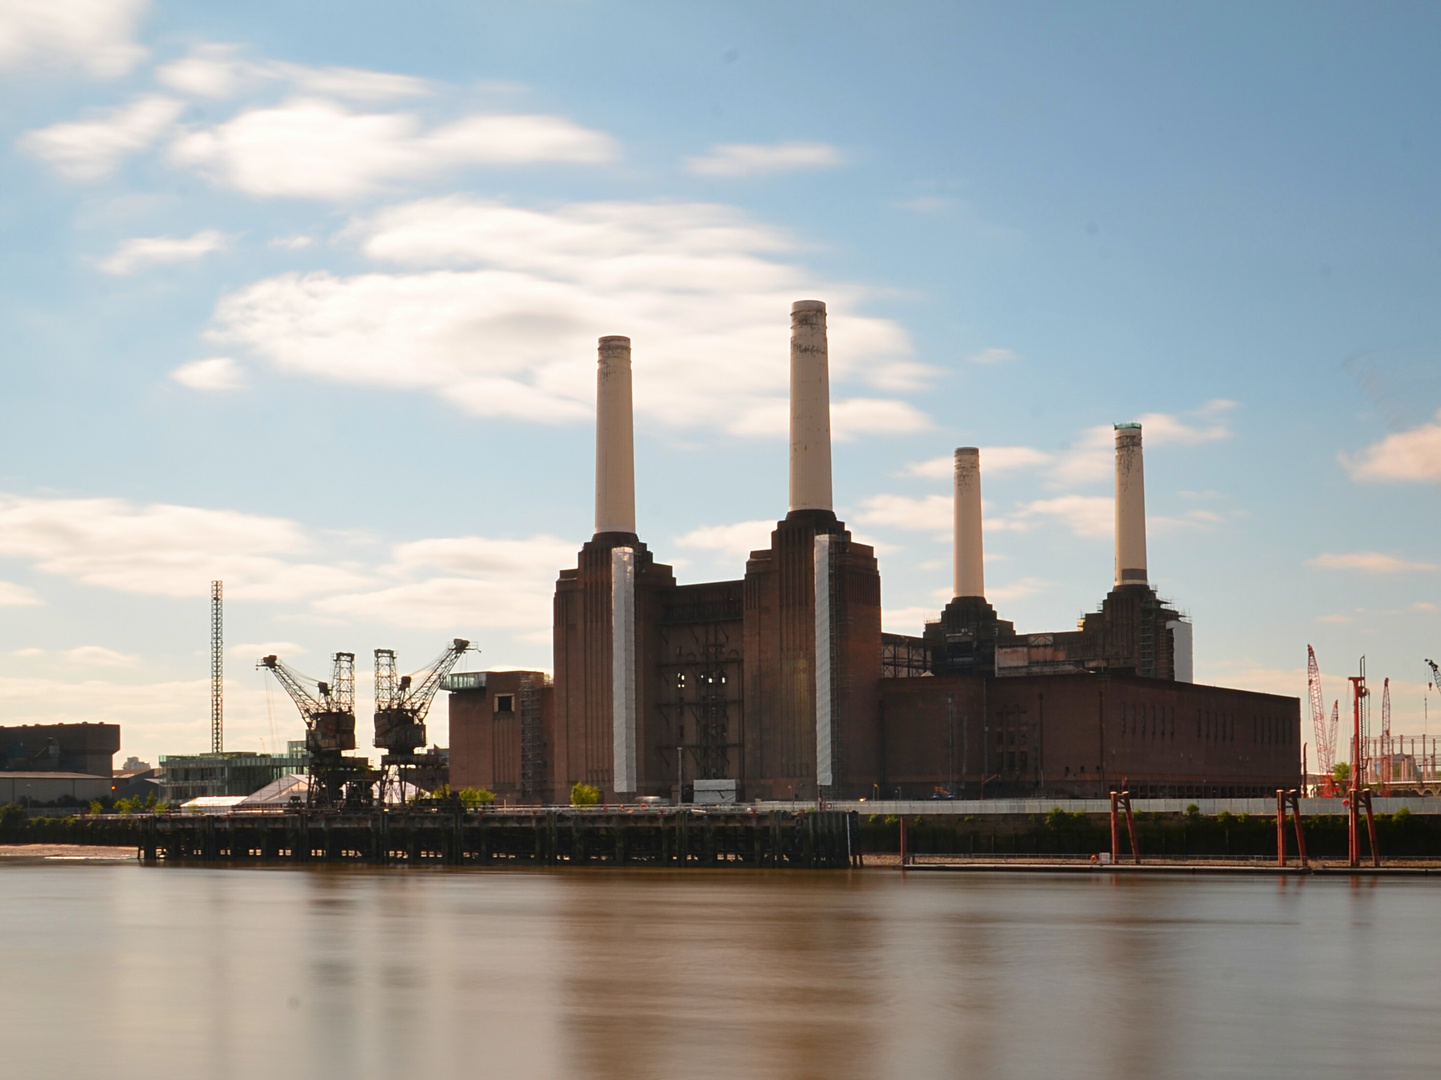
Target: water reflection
{"points": [[604, 974]]}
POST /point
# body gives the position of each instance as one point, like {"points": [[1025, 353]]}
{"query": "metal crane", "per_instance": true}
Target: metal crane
{"points": [[1385, 747], [1325, 747], [329, 712], [1435, 673], [401, 703]]}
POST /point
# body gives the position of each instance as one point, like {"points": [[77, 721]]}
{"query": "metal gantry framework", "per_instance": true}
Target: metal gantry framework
{"points": [[329, 712], [217, 667], [401, 704]]}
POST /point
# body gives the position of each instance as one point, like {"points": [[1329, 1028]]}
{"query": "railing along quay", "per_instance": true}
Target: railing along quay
{"points": [[684, 837]]}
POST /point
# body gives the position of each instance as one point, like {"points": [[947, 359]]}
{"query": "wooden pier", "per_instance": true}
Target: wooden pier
{"points": [[676, 837]]}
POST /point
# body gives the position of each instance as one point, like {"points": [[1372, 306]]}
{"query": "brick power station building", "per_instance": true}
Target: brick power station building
{"points": [[783, 683]]}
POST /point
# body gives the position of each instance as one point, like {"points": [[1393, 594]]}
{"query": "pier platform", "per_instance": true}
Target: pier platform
{"points": [[667, 836]]}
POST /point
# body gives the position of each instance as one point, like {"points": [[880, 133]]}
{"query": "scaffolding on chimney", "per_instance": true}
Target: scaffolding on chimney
{"points": [[532, 748]]}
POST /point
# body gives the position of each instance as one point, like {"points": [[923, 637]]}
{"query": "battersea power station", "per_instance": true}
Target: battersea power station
{"points": [[781, 685]]}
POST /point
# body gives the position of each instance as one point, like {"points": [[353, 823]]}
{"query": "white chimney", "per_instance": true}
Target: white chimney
{"points": [[810, 408], [614, 440], [1130, 507], [970, 577]]}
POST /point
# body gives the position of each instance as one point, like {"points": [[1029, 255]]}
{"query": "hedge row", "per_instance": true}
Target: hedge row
{"points": [[112, 830], [1062, 833]]}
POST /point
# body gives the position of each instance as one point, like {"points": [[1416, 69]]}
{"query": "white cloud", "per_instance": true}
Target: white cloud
{"points": [[507, 326], [217, 71], [12, 595], [736, 541], [1088, 516], [930, 513], [166, 550], [901, 376], [994, 459], [91, 149], [485, 583], [140, 252], [213, 373], [750, 159], [1016, 590], [1371, 562], [1164, 429], [908, 620], [254, 650], [928, 204], [315, 148], [99, 656], [292, 243], [1413, 455], [96, 36], [994, 355]]}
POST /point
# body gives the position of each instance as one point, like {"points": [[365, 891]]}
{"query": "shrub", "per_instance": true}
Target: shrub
{"points": [[582, 794], [473, 798], [1193, 811]]}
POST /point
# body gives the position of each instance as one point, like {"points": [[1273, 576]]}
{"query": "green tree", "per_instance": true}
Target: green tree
{"points": [[1341, 771], [473, 798], [582, 794]]}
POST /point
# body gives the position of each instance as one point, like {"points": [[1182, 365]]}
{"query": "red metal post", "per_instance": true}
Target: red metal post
{"points": [[1300, 832], [1358, 691], [1281, 808], [903, 841], [1371, 832], [1115, 832], [1131, 829]]}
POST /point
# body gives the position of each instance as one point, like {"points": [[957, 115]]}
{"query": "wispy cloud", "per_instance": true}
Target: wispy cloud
{"points": [[994, 355], [994, 459], [498, 307], [213, 373], [318, 149], [218, 71], [12, 595], [1406, 456], [1370, 562], [141, 252], [750, 159], [735, 541], [92, 148], [95, 36]]}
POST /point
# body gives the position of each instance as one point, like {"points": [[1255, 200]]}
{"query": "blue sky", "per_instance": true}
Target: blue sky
{"points": [[304, 296]]}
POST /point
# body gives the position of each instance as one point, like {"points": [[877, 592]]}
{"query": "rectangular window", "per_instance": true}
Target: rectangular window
{"points": [[504, 703]]}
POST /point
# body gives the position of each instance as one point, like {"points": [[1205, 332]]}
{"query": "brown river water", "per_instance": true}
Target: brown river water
{"points": [[122, 971]]}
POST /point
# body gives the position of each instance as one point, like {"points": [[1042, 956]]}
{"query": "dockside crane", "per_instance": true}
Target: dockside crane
{"points": [[401, 704], [329, 712], [1325, 747]]}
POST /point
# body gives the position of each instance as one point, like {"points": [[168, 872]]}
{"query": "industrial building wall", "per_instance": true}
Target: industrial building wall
{"points": [[485, 733], [698, 703], [584, 700], [83, 748], [780, 662], [1082, 735]]}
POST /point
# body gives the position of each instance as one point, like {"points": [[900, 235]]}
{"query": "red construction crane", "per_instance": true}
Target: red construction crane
{"points": [[1325, 747], [1385, 738]]}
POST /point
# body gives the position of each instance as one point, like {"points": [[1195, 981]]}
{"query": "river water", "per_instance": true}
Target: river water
{"points": [[119, 970]]}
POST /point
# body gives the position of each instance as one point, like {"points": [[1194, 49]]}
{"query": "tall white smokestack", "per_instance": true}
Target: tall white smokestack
{"points": [[970, 577], [614, 440], [1130, 507], [810, 408]]}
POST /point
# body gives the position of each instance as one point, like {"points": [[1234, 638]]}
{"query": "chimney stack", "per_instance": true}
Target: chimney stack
{"points": [[1130, 507], [614, 440], [970, 578], [810, 408]]}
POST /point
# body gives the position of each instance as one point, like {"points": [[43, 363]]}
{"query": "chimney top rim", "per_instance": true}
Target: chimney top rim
{"points": [[1129, 426], [808, 305]]}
